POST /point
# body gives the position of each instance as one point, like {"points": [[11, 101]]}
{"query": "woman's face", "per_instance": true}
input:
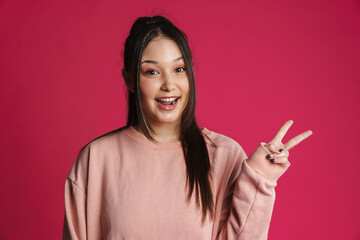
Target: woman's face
{"points": [[164, 85]]}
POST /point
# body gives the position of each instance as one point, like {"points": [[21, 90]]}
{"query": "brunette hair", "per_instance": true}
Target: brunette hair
{"points": [[199, 170]]}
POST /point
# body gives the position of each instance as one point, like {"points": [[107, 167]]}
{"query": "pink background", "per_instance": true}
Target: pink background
{"points": [[258, 64]]}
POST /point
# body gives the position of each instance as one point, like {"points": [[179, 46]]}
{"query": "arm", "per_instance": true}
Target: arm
{"points": [[75, 206], [75, 222], [252, 204], [254, 194]]}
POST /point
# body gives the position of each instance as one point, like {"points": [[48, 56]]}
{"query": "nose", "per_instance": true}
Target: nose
{"points": [[168, 83]]}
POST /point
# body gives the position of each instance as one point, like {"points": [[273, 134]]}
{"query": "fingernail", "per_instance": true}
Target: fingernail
{"points": [[269, 156], [273, 160], [280, 150]]}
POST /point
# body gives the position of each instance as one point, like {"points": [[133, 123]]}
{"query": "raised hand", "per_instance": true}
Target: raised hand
{"points": [[270, 160]]}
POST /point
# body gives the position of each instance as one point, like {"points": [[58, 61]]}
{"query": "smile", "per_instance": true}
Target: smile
{"points": [[167, 103]]}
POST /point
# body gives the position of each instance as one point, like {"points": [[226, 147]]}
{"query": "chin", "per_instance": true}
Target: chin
{"points": [[167, 120], [162, 117]]}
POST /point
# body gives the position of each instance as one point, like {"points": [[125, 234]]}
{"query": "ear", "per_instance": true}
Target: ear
{"points": [[129, 83]]}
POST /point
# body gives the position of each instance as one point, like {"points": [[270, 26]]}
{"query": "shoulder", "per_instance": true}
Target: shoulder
{"points": [[95, 151], [105, 141], [227, 155], [221, 142]]}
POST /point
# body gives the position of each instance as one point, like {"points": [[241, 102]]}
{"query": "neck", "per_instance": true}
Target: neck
{"points": [[163, 132]]}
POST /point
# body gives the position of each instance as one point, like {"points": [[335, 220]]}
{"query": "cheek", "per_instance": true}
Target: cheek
{"points": [[147, 89], [185, 88]]}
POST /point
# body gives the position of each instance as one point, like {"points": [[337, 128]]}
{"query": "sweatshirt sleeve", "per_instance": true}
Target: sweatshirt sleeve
{"points": [[251, 206], [75, 221]]}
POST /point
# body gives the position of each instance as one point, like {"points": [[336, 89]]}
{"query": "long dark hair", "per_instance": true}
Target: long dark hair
{"points": [[199, 170]]}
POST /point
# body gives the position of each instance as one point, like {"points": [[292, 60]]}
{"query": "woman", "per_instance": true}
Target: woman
{"points": [[161, 176]]}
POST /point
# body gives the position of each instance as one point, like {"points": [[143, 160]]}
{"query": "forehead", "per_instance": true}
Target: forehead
{"points": [[161, 49]]}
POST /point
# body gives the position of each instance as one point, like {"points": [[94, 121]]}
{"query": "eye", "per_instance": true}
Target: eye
{"points": [[151, 72], [180, 69]]}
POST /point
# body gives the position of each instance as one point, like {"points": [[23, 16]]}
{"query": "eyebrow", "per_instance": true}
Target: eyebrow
{"points": [[155, 62]]}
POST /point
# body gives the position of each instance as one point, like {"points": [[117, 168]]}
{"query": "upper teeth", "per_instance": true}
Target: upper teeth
{"points": [[167, 99]]}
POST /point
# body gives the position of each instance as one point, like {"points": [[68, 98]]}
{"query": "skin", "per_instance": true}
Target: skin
{"points": [[274, 170], [163, 73]]}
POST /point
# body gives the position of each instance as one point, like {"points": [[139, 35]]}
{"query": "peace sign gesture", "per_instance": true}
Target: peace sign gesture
{"points": [[270, 160]]}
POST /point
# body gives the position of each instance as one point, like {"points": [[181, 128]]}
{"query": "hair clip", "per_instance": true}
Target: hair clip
{"points": [[150, 22]]}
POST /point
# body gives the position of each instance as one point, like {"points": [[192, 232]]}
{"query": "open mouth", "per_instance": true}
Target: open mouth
{"points": [[167, 101]]}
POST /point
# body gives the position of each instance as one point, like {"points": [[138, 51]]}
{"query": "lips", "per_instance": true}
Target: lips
{"points": [[167, 100], [164, 98]]}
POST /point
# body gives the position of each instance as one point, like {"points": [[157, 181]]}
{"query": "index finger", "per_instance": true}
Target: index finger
{"points": [[296, 140], [282, 131]]}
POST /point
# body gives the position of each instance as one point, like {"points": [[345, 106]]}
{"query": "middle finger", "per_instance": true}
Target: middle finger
{"points": [[296, 140]]}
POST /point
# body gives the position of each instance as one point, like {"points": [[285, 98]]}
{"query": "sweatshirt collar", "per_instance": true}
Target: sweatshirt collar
{"points": [[143, 140]]}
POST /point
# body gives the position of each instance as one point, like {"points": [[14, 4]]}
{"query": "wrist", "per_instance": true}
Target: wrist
{"points": [[261, 165]]}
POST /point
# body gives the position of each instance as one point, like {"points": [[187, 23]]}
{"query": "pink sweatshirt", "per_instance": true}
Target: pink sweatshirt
{"points": [[123, 186]]}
